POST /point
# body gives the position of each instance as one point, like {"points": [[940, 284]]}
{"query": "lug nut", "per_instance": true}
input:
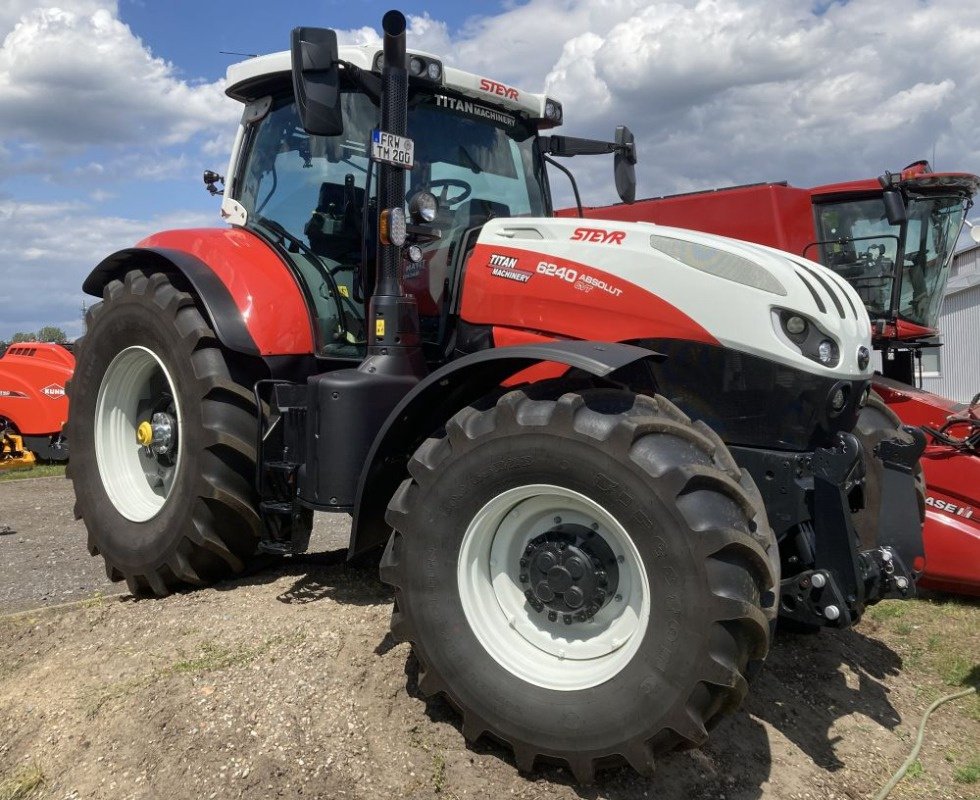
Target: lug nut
{"points": [[902, 583], [819, 580], [552, 616], [831, 613]]}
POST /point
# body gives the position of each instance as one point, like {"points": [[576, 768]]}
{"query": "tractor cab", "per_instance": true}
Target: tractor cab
{"points": [[893, 241], [476, 152]]}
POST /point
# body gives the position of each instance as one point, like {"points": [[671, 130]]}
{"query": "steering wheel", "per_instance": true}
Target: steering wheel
{"points": [[446, 184]]}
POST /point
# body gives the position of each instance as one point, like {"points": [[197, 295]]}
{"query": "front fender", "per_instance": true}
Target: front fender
{"points": [[430, 404], [250, 297]]}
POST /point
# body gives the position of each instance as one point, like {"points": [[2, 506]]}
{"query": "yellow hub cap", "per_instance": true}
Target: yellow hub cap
{"points": [[144, 434]]}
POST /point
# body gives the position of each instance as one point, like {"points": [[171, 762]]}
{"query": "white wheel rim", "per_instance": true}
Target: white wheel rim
{"points": [[553, 655], [138, 484]]}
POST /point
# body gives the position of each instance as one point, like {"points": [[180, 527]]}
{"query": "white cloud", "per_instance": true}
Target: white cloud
{"points": [[49, 248], [76, 77]]}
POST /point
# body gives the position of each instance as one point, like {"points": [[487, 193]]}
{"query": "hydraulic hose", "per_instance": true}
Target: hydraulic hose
{"points": [[900, 773]]}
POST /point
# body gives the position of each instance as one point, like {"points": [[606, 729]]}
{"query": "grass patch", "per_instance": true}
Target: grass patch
{"points": [[22, 783], [969, 773], [888, 609], [438, 772], [215, 656], [915, 769], [38, 471]]}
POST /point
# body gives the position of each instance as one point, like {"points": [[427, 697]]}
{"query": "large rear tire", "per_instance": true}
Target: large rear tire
{"points": [[683, 571], [184, 512]]}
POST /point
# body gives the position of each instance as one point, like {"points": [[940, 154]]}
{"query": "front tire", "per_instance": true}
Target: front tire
{"points": [[638, 648], [183, 510]]}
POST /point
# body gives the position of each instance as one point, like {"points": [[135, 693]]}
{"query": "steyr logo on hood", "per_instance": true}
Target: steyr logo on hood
{"points": [[600, 235]]}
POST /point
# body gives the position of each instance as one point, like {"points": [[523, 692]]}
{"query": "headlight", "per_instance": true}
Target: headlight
{"points": [[423, 207], [795, 325], [864, 357], [434, 71], [825, 352], [415, 66]]}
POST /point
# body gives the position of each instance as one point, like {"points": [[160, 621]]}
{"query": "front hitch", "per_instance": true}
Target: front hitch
{"points": [[844, 580]]}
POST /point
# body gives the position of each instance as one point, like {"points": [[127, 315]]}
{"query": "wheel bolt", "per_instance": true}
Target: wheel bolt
{"points": [[557, 520], [523, 562], [618, 598], [621, 559], [567, 618], [552, 616], [594, 526], [523, 577]]}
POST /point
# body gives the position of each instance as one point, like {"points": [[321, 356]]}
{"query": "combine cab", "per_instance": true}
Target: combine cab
{"points": [[892, 239], [33, 403]]}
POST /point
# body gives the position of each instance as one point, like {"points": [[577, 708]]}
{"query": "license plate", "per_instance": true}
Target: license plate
{"points": [[399, 151]]}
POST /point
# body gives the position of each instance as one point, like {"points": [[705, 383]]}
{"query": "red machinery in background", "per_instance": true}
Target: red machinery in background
{"points": [[892, 238], [33, 403]]}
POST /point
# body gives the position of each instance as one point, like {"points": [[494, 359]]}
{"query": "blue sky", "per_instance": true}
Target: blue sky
{"points": [[111, 109]]}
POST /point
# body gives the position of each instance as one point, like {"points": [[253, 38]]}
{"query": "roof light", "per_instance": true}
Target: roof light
{"points": [[434, 71], [416, 66]]}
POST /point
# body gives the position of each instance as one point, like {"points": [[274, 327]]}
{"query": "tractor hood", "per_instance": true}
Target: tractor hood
{"points": [[676, 283]]}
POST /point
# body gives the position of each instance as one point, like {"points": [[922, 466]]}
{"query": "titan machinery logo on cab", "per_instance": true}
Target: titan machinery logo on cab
{"points": [[492, 87], [600, 235]]}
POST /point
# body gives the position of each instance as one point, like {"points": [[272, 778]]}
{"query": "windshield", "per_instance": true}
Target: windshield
{"points": [[478, 162], [857, 241]]}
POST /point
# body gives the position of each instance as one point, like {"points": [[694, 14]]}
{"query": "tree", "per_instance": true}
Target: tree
{"points": [[52, 333], [23, 336]]}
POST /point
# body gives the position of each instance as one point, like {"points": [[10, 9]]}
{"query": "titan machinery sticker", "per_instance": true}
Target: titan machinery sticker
{"points": [[469, 107], [505, 267]]}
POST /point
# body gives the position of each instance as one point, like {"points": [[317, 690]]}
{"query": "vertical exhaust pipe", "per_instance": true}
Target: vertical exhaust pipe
{"points": [[393, 333]]}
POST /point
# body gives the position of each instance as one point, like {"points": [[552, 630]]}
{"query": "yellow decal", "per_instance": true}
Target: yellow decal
{"points": [[343, 290], [379, 327]]}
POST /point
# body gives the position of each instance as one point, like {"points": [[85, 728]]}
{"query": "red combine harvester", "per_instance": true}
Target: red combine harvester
{"points": [[33, 403], [892, 239]]}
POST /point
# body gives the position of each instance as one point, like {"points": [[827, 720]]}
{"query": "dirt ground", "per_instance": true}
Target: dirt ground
{"points": [[286, 684]]}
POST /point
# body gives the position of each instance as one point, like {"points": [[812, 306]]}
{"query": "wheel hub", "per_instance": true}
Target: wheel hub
{"points": [[570, 571], [157, 435]]}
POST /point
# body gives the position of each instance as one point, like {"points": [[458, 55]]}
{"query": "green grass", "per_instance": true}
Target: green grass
{"points": [[37, 471], [22, 783], [970, 773], [915, 769]]}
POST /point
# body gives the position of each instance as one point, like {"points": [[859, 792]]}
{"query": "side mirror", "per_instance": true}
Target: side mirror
{"points": [[624, 164], [895, 209], [316, 80]]}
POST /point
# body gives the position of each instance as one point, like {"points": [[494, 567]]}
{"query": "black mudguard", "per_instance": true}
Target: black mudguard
{"points": [[430, 404], [216, 301]]}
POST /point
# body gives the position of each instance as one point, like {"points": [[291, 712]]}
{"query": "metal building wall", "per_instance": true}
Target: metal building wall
{"points": [[959, 323]]}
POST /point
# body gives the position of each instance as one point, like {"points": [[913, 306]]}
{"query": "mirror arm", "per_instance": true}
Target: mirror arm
{"points": [[578, 200]]}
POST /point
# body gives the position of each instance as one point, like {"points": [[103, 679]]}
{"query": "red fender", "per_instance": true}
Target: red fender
{"points": [[263, 288], [32, 387]]}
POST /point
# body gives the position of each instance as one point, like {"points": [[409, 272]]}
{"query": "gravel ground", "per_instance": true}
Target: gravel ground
{"points": [[286, 684]]}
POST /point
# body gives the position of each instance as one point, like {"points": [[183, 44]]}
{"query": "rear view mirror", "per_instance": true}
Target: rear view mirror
{"points": [[316, 81], [624, 164], [894, 206]]}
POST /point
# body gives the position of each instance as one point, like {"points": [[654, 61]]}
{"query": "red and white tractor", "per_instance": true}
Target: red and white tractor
{"points": [[601, 458]]}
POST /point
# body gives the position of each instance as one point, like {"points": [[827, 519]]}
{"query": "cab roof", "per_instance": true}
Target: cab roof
{"points": [[250, 79]]}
